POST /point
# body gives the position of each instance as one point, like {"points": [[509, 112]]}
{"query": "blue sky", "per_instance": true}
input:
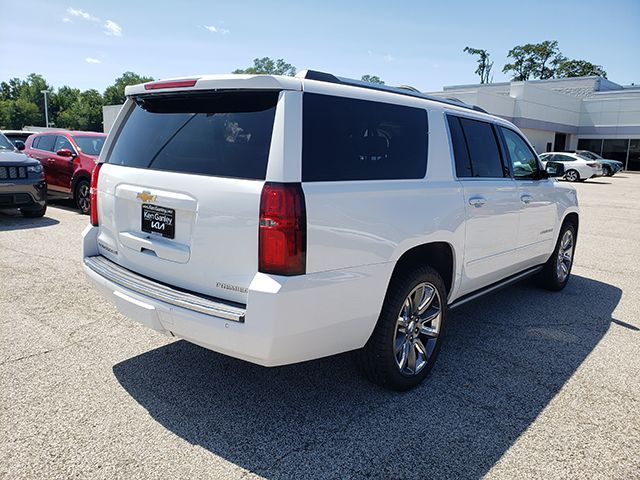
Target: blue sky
{"points": [[87, 44]]}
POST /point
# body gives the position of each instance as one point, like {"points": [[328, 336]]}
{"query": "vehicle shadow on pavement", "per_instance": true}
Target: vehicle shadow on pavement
{"points": [[504, 358], [13, 220]]}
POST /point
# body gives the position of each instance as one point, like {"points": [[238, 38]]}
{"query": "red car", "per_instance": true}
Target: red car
{"points": [[68, 158]]}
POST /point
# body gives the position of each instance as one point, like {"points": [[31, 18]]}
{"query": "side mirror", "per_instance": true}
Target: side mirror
{"points": [[555, 169], [65, 152], [19, 145]]}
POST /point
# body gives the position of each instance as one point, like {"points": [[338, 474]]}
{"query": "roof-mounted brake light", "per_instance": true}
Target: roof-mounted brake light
{"points": [[190, 82]]}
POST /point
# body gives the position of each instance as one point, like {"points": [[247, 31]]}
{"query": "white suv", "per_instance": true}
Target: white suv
{"points": [[279, 219]]}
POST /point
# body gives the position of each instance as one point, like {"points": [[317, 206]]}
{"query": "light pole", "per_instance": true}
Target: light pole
{"points": [[46, 108]]}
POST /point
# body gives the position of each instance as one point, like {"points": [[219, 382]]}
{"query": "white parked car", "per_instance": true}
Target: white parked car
{"points": [[577, 168], [279, 219]]}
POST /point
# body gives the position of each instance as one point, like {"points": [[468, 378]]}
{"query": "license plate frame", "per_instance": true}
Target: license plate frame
{"points": [[158, 220]]}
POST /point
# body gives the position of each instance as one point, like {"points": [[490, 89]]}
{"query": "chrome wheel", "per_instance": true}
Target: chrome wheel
{"points": [[572, 176], [565, 256], [417, 329], [83, 200]]}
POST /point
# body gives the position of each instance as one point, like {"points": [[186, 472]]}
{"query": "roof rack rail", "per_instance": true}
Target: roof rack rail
{"points": [[401, 90]]}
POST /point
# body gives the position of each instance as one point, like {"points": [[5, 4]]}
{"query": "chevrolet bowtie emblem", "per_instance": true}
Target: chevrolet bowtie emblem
{"points": [[146, 196]]}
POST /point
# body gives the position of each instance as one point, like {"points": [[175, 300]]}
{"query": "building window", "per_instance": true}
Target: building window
{"points": [[634, 155], [592, 144], [615, 149]]}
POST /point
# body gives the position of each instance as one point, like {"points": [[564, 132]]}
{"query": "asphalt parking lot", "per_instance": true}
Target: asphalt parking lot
{"points": [[530, 384]]}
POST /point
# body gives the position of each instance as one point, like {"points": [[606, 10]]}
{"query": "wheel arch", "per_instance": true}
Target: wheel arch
{"points": [[438, 255], [80, 175]]}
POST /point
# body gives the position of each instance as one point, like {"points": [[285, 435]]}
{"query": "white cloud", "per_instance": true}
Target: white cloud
{"points": [[82, 14], [212, 29], [388, 58], [112, 28], [67, 20], [91, 60]]}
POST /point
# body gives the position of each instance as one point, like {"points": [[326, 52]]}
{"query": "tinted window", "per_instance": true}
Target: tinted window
{"points": [[35, 142], [523, 160], [562, 158], [5, 144], [62, 142], [47, 142], [91, 145], [349, 139], [222, 134], [592, 144], [483, 149], [460, 152]]}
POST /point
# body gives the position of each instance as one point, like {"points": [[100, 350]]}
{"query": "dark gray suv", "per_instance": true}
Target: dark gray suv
{"points": [[22, 183]]}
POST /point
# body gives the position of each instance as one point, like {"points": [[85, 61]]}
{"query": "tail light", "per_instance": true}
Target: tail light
{"points": [[593, 165], [282, 241], [93, 195]]}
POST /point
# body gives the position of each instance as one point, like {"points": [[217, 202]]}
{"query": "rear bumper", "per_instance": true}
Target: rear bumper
{"points": [[23, 194], [286, 319]]}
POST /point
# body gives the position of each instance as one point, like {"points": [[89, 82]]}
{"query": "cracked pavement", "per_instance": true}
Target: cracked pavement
{"points": [[529, 383]]}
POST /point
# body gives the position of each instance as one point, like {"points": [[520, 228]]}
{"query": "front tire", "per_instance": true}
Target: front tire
{"points": [[81, 196], [555, 274], [606, 171], [572, 176], [30, 213], [406, 340]]}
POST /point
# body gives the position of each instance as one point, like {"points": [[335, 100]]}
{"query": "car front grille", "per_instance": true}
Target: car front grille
{"points": [[13, 173]]}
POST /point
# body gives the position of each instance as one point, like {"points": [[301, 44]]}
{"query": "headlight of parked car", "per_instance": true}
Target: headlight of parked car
{"points": [[34, 168]]}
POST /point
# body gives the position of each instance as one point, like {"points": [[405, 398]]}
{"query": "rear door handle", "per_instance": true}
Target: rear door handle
{"points": [[526, 199], [477, 201]]}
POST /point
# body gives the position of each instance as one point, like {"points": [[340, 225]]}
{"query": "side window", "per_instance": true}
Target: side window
{"points": [[63, 142], [460, 152], [47, 142], [523, 160], [475, 148], [35, 142], [351, 139], [563, 158]]}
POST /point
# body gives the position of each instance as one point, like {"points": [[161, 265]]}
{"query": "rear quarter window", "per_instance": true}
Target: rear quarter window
{"points": [[217, 134], [351, 139]]}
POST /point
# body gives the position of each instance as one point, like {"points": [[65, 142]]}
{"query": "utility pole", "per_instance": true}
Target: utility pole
{"points": [[46, 108]]}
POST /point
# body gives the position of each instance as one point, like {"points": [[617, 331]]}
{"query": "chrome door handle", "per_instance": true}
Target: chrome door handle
{"points": [[526, 199], [477, 201]]}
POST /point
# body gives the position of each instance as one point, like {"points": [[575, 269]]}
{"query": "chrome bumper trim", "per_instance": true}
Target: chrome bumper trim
{"points": [[158, 291]]}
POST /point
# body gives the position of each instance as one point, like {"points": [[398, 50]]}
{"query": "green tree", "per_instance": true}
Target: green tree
{"points": [[15, 114], [484, 65], [85, 113], [114, 94], [372, 79], [579, 68], [534, 60], [266, 65]]}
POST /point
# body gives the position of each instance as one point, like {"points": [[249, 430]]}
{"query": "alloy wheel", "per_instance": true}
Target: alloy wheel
{"points": [[417, 329], [84, 202], [572, 175], [565, 256]]}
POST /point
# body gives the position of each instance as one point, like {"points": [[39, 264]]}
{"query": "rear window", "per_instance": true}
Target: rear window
{"points": [[219, 134], [350, 139], [89, 144]]}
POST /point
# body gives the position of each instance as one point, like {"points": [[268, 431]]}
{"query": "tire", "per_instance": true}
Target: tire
{"points": [[29, 213], [572, 176], [81, 196], [418, 339], [553, 276], [606, 171]]}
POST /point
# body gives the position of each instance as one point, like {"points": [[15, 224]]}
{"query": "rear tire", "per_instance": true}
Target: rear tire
{"points": [[572, 176], [81, 196], [28, 213], [556, 272], [406, 340]]}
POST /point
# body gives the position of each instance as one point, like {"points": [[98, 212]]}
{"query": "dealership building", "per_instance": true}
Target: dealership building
{"points": [[587, 113]]}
